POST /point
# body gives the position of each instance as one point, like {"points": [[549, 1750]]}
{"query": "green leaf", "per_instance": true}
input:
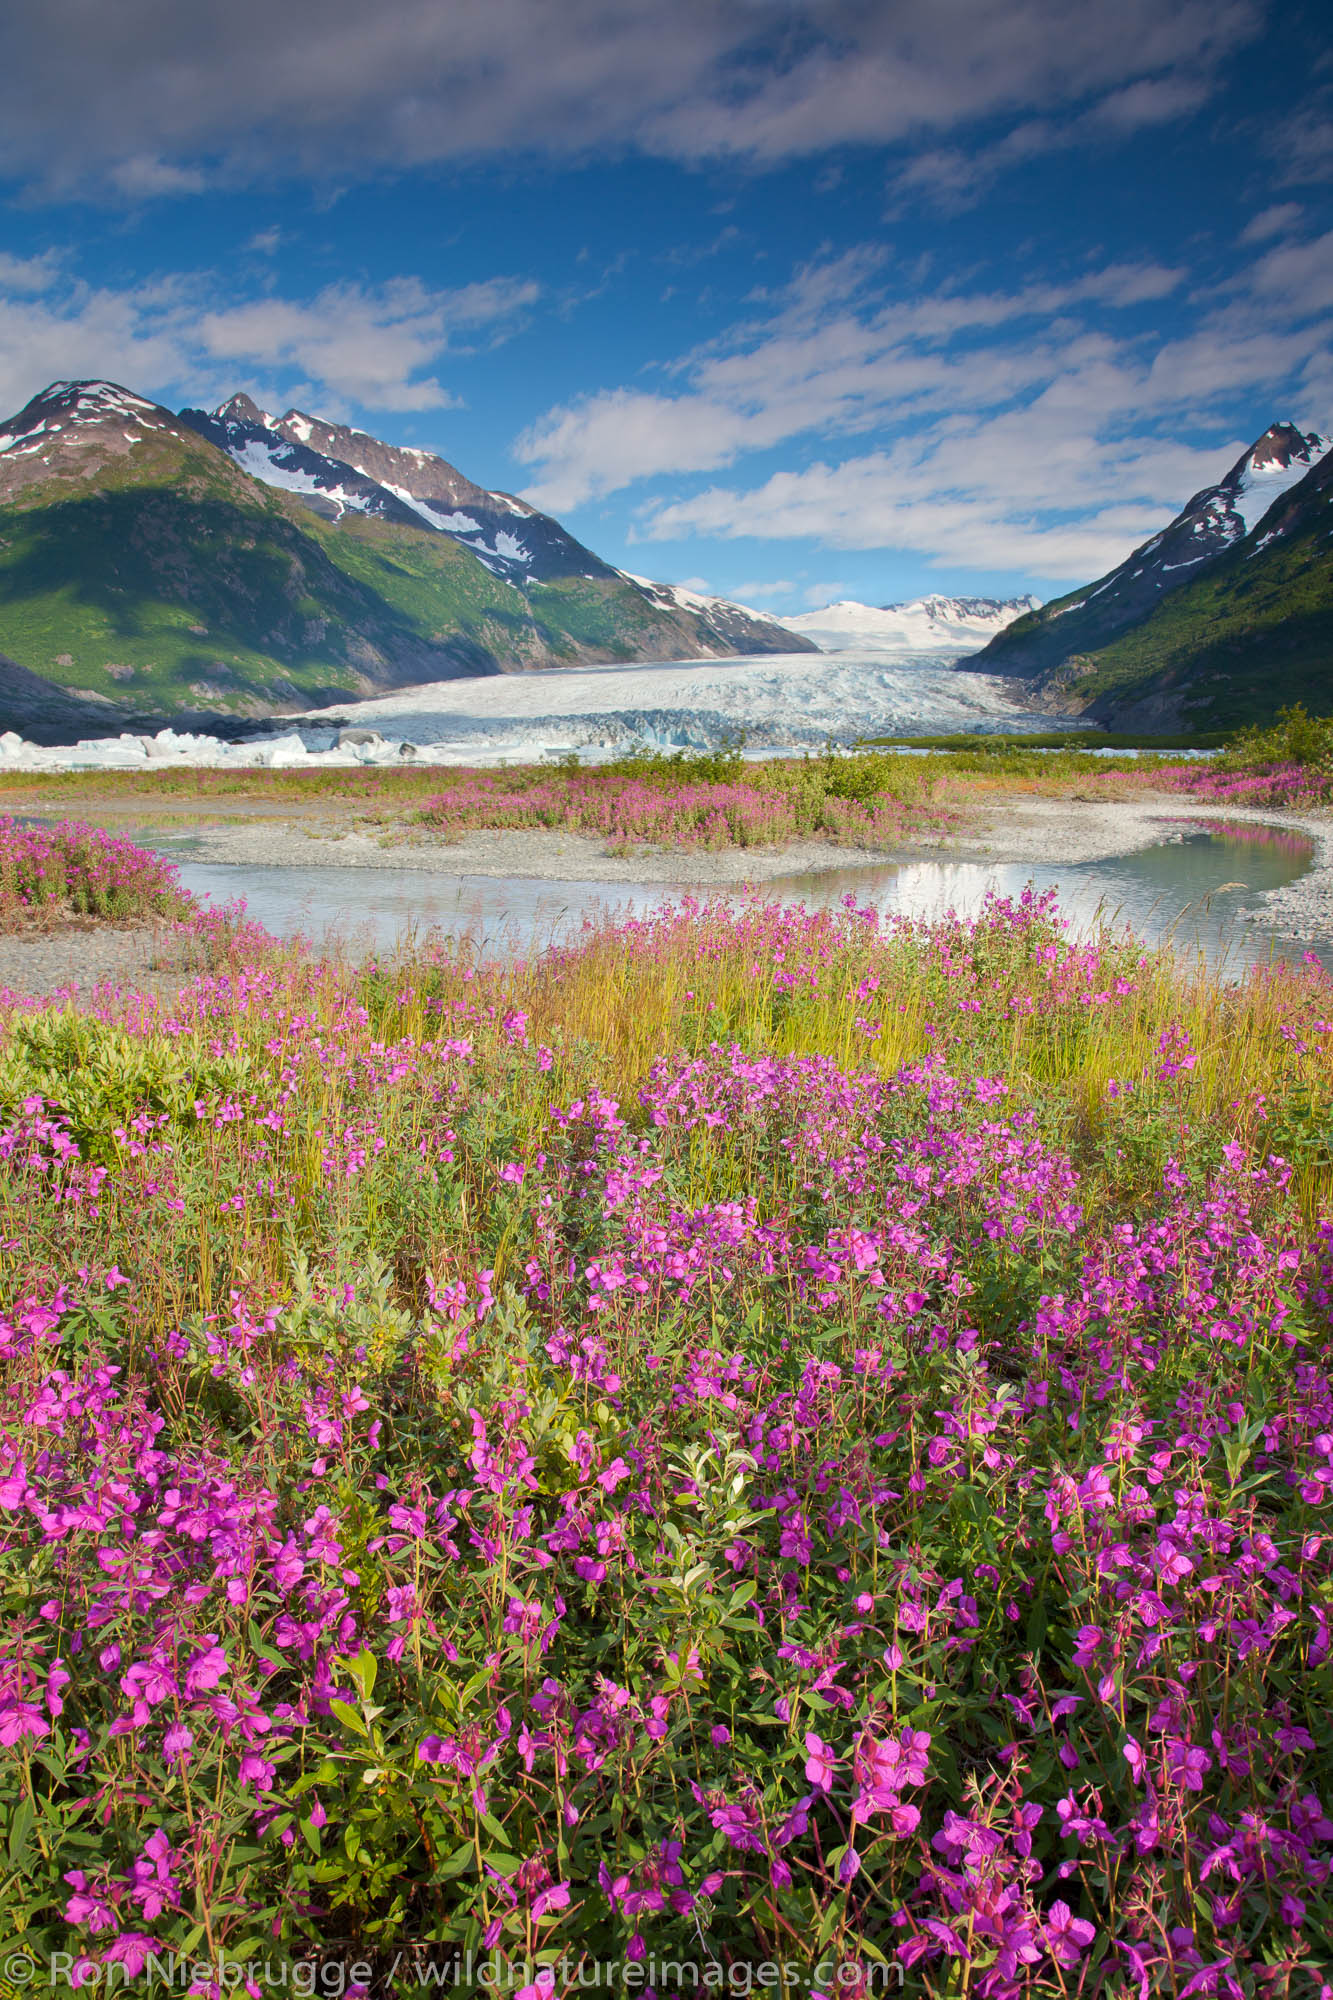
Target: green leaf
{"points": [[503, 1864], [362, 1668], [20, 1832]]}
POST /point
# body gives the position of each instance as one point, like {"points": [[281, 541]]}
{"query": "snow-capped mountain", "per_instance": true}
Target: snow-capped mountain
{"points": [[336, 470], [955, 625], [69, 422], [162, 565], [723, 622], [1210, 524]]}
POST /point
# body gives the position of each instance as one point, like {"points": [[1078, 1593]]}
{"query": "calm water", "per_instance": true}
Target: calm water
{"points": [[1189, 889]]}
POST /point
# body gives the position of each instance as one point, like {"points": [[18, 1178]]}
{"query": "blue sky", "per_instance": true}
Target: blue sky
{"points": [[787, 299]]}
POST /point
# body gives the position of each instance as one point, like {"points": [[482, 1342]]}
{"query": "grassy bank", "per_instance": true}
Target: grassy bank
{"points": [[874, 797], [759, 1438]]}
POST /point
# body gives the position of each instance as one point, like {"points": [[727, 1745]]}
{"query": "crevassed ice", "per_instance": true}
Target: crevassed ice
{"points": [[783, 702]]}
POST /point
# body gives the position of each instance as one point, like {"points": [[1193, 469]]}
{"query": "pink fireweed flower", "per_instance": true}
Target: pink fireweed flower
{"points": [[177, 1744], [820, 1763], [257, 1771], [1066, 1936], [88, 1905], [1187, 1765], [556, 1897], [20, 1719]]}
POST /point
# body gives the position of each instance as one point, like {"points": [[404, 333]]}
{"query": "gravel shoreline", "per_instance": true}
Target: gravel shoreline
{"points": [[136, 959], [534, 855]]}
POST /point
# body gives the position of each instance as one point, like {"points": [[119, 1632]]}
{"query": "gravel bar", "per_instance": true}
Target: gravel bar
{"points": [[136, 959]]}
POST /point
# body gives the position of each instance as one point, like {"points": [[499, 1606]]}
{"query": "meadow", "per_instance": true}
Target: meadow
{"points": [[752, 1439]]}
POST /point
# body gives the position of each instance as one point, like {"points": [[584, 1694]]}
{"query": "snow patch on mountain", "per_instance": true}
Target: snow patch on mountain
{"points": [[954, 625], [423, 508], [675, 597], [65, 407], [264, 463], [1267, 474]]}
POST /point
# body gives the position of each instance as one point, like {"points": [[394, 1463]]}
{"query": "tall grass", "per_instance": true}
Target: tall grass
{"points": [[758, 1437]]}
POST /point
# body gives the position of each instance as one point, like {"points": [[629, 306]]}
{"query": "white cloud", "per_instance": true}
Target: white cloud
{"points": [[821, 365], [28, 274], [957, 508], [1298, 275], [351, 344], [144, 177], [1303, 145], [1275, 221], [156, 100], [1152, 100], [83, 333], [1028, 429], [755, 591], [367, 346]]}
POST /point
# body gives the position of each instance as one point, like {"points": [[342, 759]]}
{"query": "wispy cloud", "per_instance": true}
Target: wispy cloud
{"points": [[151, 102], [1302, 145], [1275, 221], [824, 363], [969, 502], [1028, 429], [146, 177], [367, 346], [376, 347]]}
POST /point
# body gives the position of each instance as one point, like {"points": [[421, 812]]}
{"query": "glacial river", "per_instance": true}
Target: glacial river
{"points": [[1192, 889]]}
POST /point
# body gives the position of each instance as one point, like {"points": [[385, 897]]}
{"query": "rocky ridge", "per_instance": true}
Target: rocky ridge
{"points": [[1213, 522]]}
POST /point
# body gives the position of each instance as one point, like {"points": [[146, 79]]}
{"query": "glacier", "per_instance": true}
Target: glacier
{"points": [[780, 703]]}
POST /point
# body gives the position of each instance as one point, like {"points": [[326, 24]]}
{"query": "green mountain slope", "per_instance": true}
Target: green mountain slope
{"points": [[1224, 617], [1253, 635], [141, 567]]}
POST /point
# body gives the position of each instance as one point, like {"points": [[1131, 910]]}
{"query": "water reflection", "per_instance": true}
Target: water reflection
{"points": [[1191, 889]]}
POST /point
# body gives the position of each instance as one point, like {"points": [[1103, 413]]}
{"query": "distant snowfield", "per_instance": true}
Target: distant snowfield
{"points": [[780, 701], [928, 626]]}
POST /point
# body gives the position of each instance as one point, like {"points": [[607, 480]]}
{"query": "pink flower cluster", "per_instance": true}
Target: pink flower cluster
{"points": [[629, 812], [444, 1493], [84, 870]]}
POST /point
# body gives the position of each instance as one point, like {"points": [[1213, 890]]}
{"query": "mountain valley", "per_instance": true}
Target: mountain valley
{"points": [[208, 566]]}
